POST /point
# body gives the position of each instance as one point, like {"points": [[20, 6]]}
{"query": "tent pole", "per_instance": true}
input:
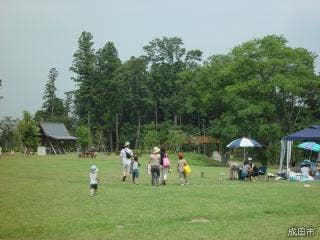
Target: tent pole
{"points": [[289, 145], [282, 154]]}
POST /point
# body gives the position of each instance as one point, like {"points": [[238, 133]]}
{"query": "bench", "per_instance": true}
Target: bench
{"points": [[87, 155]]}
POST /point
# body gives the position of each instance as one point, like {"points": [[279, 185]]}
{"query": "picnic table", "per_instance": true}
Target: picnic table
{"points": [[88, 154]]}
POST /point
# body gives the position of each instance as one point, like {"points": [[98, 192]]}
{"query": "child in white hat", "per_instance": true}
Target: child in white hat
{"points": [[93, 180]]}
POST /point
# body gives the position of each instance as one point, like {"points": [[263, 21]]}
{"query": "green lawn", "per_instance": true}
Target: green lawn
{"points": [[48, 198]]}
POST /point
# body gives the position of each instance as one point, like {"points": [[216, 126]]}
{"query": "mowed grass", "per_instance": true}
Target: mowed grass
{"points": [[48, 198]]}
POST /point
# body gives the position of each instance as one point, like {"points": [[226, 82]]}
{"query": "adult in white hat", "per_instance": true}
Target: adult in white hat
{"points": [[154, 163], [125, 158]]}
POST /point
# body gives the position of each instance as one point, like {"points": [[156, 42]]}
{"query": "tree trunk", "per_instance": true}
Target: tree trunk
{"points": [[111, 142], [89, 127], [156, 120], [138, 133]]}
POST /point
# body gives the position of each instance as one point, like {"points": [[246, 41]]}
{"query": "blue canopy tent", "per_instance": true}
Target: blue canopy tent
{"points": [[311, 133]]}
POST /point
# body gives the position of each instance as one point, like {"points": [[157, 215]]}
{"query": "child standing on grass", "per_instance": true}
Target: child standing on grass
{"points": [[180, 168], [135, 164], [93, 180]]}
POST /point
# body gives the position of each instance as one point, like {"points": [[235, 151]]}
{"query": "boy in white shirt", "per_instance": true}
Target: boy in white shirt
{"points": [[93, 180]]}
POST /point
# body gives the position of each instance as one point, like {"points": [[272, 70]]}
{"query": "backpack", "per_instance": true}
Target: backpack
{"points": [[166, 161]]}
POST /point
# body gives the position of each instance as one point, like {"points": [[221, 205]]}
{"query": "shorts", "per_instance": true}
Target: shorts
{"points": [[135, 173], [126, 167], [94, 186]]}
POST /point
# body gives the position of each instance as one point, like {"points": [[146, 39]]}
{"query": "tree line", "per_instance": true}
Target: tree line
{"points": [[262, 88]]}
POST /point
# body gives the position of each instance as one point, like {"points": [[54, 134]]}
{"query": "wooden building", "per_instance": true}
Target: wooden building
{"points": [[55, 137]]}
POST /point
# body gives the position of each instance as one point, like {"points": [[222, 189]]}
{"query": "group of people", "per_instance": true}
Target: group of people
{"points": [[158, 167]]}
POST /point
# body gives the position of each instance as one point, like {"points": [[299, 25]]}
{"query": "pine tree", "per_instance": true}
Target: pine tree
{"points": [[50, 92], [52, 105], [84, 65]]}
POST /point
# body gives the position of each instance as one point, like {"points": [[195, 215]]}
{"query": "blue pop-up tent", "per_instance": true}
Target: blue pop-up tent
{"points": [[311, 133]]}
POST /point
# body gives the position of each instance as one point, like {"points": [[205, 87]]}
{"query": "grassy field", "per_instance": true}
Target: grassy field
{"points": [[48, 198]]}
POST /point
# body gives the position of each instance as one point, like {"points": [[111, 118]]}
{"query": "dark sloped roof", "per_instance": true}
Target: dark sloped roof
{"points": [[56, 130], [311, 133]]}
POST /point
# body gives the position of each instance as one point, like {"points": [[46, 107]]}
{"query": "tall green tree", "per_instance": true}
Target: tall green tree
{"points": [[265, 96], [7, 129], [83, 137], [27, 133], [52, 108], [131, 97], [106, 106], [50, 92], [167, 58], [68, 103], [83, 66]]}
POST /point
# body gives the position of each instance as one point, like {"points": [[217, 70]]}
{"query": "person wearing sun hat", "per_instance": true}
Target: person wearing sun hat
{"points": [[154, 163], [125, 158], [93, 180]]}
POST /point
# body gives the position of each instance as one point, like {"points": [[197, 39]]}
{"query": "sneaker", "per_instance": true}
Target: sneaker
{"points": [[182, 184]]}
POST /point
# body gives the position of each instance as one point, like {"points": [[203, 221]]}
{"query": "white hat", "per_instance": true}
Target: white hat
{"points": [[93, 168], [126, 144], [155, 150]]}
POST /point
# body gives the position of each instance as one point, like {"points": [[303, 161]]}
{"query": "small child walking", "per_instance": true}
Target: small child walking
{"points": [[180, 168], [94, 180], [135, 164]]}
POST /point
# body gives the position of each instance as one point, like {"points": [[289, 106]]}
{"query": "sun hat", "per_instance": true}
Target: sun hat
{"points": [[126, 144], [93, 168], [155, 150]]}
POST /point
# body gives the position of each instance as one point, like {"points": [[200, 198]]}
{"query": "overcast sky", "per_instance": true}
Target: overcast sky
{"points": [[36, 35]]}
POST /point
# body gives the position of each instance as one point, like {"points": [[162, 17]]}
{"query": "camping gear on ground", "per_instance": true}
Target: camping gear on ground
{"points": [[234, 171]]}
